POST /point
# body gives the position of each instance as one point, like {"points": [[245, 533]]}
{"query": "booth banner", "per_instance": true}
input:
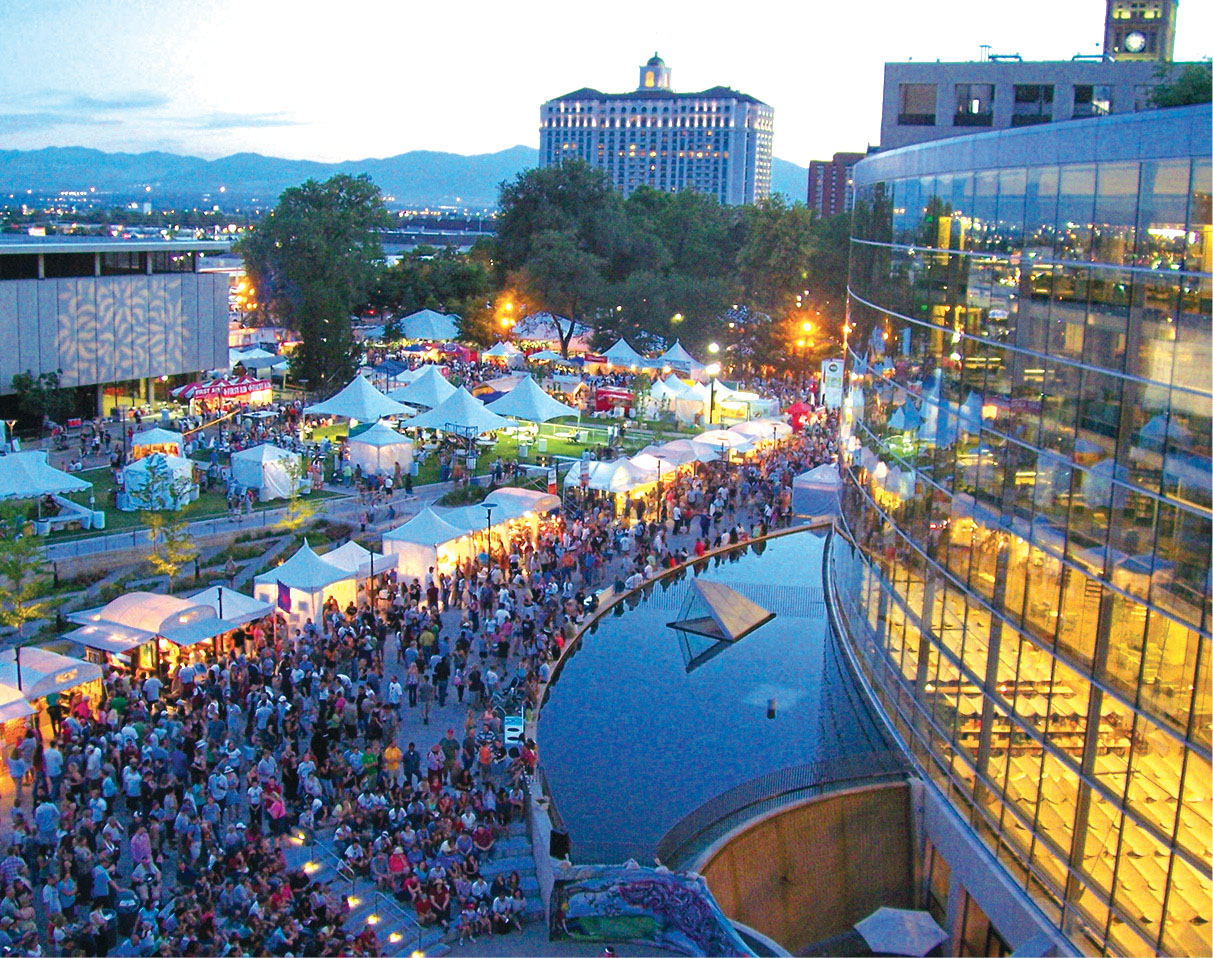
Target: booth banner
{"points": [[585, 470], [552, 481], [831, 383], [634, 903], [240, 388]]}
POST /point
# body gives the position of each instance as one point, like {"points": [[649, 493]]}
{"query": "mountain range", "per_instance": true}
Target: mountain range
{"points": [[416, 179]]}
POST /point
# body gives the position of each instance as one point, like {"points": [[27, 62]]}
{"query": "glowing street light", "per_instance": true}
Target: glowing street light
{"points": [[712, 370]]}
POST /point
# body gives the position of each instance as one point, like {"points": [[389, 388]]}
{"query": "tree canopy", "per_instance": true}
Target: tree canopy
{"points": [[1193, 84], [313, 260]]}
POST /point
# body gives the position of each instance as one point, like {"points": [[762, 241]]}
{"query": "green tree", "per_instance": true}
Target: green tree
{"points": [[167, 528], [313, 260], [299, 511], [564, 278], [774, 260], [22, 580], [1192, 85], [41, 398]]}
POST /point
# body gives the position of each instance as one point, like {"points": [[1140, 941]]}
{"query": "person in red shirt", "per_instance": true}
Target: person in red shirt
{"points": [[700, 548]]}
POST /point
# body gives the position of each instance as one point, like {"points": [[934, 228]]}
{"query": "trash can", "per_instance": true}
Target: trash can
{"points": [[126, 906]]}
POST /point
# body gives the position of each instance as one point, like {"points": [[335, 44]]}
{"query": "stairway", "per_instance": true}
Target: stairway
{"points": [[398, 932]]}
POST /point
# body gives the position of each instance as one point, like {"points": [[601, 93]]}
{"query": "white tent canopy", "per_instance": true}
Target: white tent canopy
{"points": [[678, 358], [157, 440], [267, 468], [359, 400], [233, 606], [158, 481], [308, 581], [621, 475], [461, 412], [359, 561], [24, 475], [424, 542], [678, 452], [255, 358], [44, 671], [428, 324], [529, 402], [763, 429], [731, 439], [621, 354], [428, 389], [817, 492], [502, 351], [380, 449]]}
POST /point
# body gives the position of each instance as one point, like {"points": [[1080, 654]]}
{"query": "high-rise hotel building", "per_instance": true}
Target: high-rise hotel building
{"points": [[1022, 568], [717, 141]]}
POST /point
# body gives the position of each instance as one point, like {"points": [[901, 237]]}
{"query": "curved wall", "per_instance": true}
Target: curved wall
{"points": [[1027, 583]]}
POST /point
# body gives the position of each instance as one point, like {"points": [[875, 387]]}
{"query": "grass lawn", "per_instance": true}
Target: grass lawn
{"points": [[207, 504]]}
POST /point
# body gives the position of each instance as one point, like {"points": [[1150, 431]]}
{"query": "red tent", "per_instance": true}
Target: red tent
{"points": [[797, 411], [608, 397], [233, 390]]}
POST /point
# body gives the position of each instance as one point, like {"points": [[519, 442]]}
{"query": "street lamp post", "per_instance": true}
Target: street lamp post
{"points": [[488, 529]]}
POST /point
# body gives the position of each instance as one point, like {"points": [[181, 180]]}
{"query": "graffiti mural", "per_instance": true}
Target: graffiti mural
{"points": [[633, 903]]}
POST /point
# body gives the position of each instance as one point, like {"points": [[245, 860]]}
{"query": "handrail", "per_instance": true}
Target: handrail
{"points": [[775, 789]]}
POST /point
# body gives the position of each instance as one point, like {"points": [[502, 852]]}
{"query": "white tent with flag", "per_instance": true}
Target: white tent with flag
{"points": [[380, 449], [528, 401], [460, 413], [359, 401], [817, 492], [359, 561], [24, 475], [303, 583], [268, 469], [233, 606], [428, 324], [621, 354], [428, 389]]}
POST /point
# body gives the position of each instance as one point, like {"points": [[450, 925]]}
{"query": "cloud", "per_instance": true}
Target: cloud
{"points": [[25, 122], [242, 121], [136, 100]]}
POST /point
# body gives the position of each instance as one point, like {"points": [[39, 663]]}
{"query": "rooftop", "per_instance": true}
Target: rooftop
{"points": [[18, 243], [713, 93]]}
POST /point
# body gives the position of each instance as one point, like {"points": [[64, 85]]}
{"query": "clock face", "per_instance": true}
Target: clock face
{"points": [[1135, 42]]}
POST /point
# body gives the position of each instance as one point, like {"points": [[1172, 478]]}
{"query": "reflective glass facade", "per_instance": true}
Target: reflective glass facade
{"points": [[1024, 570]]}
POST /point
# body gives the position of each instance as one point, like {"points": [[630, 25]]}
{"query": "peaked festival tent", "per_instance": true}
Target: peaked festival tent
{"points": [[157, 482], [676, 357], [428, 324], [621, 354], [427, 540], [301, 585], [678, 452], [428, 389], [233, 606], [620, 475], [731, 440], [24, 475], [763, 430], [461, 413], [157, 440], [527, 401], [359, 561], [267, 468], [359, 401], [380, 449], [818, 491]]}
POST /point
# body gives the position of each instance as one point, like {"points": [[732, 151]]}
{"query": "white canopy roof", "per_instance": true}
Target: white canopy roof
{"points": [[429, 388], [427, 528], [679, 451], [824, 475], [148, 612], [659, 392], [24, 475], [528, 401], [158, 437], [621, 475], [428, 324], [763, 429], [546, 356], [236, 607], [503, 351], [14, 705], [359, 400], [255, 358], [621, 354], [727, 438], [461, 411], [359, 561], [44, 671], [380, 435], [305, 571], [266, 452]]}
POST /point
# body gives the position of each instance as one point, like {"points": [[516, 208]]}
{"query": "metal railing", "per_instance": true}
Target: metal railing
{"points": [[719, 815]]}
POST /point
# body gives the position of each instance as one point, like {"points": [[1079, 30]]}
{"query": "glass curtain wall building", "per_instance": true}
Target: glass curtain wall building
{"points": [[1025, 576]]}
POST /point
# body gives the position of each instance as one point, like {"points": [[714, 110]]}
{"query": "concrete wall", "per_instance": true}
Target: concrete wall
{"points": [[113, 328], [810, 871]]}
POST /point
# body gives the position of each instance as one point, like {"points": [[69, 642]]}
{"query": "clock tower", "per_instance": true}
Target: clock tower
{"points": [[1140, 29]]}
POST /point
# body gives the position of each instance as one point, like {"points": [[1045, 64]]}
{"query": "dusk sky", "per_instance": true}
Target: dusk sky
{"points": [[334, 81]]}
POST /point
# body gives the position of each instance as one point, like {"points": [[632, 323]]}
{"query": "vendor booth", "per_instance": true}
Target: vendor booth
{"points": [[360, 561], [152, 441], [427, 541], [274, 472], [679, 452], [528, 402], [216, 392], [678, 359], [34, 673], [621, 354], [817, 492], [158, 481], [462, 414], [26, 475], [232, 606], [380, 450], [301, 585], [613, 399], [763, 430], [506, 353], [15, 713]]}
